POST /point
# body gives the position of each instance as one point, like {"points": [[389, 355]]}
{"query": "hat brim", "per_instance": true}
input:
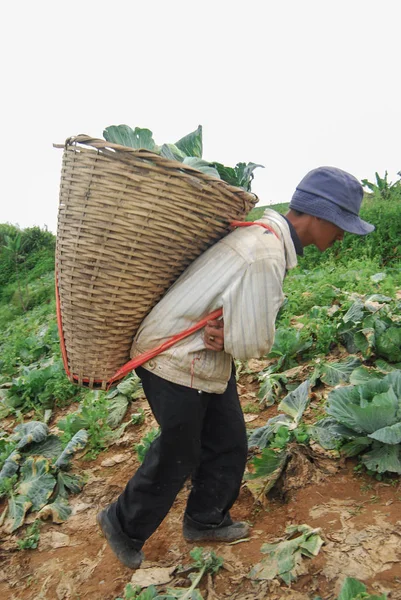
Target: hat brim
{"points": [[324, 209]]}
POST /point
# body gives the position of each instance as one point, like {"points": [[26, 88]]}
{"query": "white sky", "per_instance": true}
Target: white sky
{"points": [[290, 84]]}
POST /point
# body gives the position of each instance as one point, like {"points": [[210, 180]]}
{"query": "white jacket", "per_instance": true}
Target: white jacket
{"points": [[242, 274]]}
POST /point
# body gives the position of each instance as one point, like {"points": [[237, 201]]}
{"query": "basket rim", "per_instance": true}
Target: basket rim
{"points": [[111, 149]]}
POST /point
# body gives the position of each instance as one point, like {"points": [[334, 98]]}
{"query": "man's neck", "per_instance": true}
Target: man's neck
{"points": [[302, 226]]}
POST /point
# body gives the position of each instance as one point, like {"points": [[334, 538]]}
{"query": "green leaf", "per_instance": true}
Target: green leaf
{"points": [[378, 298], [283, 557], [261, 436], [4, 409], [146, 442], [78, 442], [73, 422], [350, 589], [380, 412], [335, 373], [356, 446], [269, 463], [201, 165], [131, 387], [206, 559], [58, 511], [288, 344], [18, 506], [171, 152], [37, 483], [11, 465], [383, 458], [388, 435], [244, 174], [386, 367], [329, 433], [295, 403], [363, 374], [353, 589], [227, 174], [378, 277], [394, 379], [239, 176], [355, 313], [365, 341], [69, 483], [26, 433], [49, 448], [191, 144], [388, 344], [271, 386], [132, 138], [116, 410]]}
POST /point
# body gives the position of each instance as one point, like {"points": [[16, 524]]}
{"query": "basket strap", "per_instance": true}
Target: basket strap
{"points": [[142, 358], [60, 328], [149, 354], [247, 223]]}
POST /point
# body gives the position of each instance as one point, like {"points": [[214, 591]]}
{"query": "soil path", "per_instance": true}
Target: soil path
{"points": [[359, 517]]}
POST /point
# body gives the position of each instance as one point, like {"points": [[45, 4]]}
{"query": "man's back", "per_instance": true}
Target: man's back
{"points": [[242, 274]]}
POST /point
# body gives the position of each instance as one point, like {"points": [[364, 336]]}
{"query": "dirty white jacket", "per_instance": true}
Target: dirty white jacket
{"points": [[243, 274]]}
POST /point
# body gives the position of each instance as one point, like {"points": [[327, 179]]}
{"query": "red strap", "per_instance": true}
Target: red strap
{"points": [[247, 223], [142, 358], [149, 354]]}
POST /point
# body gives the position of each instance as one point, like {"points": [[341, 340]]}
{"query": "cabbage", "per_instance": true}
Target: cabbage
{"points": [[188, 150], [371, 414]]}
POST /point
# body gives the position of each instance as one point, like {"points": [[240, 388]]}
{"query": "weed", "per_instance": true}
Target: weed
{"points": [[145, 443], [7, 485], [138, 418], [31, 539], [251, 408], [92, 416]]}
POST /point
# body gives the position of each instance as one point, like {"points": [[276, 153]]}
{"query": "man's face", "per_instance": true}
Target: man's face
{"points": [[326, 233]]}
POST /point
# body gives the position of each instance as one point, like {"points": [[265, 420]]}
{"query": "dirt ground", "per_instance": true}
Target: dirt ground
{"points": [[359, 517]]}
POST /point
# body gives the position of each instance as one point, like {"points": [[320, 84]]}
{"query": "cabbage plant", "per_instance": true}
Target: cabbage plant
{"points": [[365, 420], [370, 328], [35, 473], [187, 150]]}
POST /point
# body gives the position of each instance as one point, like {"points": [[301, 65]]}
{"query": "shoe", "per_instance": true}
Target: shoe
{"points": [[119, 542], [229, 533]]}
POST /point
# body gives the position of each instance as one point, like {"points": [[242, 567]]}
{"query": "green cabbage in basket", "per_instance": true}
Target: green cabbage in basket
{"points": [[188, 150]]}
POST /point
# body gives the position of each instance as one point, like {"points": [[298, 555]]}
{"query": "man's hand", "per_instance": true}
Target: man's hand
{"points": [[214, 335]]}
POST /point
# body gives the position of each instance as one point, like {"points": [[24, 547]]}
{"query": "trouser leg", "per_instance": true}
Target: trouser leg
{"points": [[202, 435], [169, 461], [217, 480]]}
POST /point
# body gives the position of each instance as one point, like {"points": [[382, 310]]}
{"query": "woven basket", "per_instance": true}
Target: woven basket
{"points": [[129, 223]]}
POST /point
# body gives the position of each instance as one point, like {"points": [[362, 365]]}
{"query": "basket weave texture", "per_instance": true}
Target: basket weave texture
{"points": [[129, 223]]}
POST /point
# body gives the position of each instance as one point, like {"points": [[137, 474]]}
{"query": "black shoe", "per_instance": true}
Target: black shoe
{"points": [[229, 533], [122, 546]]}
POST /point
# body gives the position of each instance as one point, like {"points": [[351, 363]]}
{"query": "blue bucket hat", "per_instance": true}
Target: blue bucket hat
{"points": [[333, 195]]}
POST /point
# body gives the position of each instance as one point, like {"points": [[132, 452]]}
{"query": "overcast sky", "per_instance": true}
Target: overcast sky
{"points": [[291, 85]]}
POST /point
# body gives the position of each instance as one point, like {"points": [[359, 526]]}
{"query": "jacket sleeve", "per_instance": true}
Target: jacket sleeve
{"points": [[250, 307]]}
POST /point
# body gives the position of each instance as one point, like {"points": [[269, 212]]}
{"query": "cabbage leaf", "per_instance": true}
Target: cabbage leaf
{"points": [[372, 413], [78, 442], [37, 482], [132, 138], [382, 458]]}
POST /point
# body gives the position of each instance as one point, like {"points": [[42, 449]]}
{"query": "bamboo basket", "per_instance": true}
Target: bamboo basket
{"points": [[129, 223]]}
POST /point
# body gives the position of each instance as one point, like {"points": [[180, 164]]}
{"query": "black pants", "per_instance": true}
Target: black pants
{"points": [[203, 436]]}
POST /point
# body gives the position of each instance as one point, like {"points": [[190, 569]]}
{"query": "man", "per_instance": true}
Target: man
{"points": [[191, 387]]}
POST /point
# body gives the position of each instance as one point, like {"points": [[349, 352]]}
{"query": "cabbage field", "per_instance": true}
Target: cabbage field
{"points": [[321, 489]]}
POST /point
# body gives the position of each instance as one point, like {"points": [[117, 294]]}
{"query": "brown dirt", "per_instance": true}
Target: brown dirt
{"points": [[359, 517]]}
